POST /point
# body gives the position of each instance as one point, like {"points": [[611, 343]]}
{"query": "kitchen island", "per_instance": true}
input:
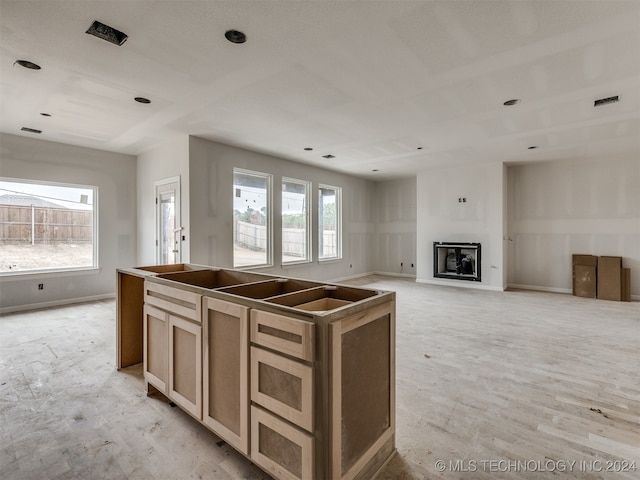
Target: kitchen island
{"points": [[297, 375]]}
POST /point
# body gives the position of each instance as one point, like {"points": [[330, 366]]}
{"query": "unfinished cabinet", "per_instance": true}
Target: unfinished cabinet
{"points": [[172, 345], [298, 376], [185, 364], [226, 371]]}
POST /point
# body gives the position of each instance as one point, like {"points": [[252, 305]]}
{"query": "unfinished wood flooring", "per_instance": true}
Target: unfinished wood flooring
{"points": [[514, 385]]}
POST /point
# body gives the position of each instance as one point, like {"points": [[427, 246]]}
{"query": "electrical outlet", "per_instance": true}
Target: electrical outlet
{"points": [[41, 286], [412, 265], [401, 264], [350, 265]]}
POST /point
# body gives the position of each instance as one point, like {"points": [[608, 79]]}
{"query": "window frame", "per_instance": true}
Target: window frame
{"points": [[269, 220], [338, 195], [95, 265], [308, 217]]}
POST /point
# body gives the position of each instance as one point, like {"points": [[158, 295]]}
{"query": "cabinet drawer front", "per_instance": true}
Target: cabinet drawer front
{"points": [[174, 300], [282, 450], [284, 334], [283, 386]]}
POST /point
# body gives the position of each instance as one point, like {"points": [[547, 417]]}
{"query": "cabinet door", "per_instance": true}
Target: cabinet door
{"points": [[185, 364], [156, 347], [226, 371]]}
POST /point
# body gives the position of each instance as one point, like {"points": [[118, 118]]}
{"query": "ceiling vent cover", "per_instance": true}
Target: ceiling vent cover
{"points": [[105, 32], [605, 101], [30, 130]]}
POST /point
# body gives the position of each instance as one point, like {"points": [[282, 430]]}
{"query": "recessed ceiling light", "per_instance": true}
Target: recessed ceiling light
{"points": [[142, 100], [532, 147], [513, 101], [308, 149], [30, 130], [235, 36], [45, 114], [419, 148], [28, 64], [105, 32], [375, 170], [328, 156]]}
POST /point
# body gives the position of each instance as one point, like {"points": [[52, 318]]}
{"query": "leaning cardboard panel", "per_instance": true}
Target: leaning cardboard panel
{"points": [[584, 275], [626, 284], [610, 278]]}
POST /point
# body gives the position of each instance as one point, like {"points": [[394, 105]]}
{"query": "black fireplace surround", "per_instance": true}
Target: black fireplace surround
{"points": [[457, 261]]}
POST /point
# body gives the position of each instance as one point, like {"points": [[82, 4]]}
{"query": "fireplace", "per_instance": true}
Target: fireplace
{"points": [[458, 261]]}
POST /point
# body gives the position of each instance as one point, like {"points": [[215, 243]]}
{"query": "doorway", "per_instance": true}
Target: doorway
{"points": [[168, 222]]}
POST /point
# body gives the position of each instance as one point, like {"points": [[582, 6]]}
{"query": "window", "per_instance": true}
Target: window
{"points": [[251, 218], [47, 226], [329, 222], [295, 221]]}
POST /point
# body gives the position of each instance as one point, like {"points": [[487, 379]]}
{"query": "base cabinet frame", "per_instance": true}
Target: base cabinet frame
{"points": [[305, 394]]}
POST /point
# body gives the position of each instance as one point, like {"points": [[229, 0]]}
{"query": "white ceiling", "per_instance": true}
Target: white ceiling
{"points": [[366, 81]]}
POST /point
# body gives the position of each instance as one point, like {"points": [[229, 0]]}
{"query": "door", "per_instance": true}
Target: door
{"points": [[168, 222]]}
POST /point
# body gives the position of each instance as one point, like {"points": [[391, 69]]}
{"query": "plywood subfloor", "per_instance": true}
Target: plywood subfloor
{"points": [[481, 376]]}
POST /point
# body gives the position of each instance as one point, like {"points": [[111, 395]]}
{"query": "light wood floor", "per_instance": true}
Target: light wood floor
{"points": [[517, 385]]}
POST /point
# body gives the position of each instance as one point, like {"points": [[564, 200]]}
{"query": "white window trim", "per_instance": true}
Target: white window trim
{"points": [[338, 255], [95, 267], [309, 251], [269, 252]]}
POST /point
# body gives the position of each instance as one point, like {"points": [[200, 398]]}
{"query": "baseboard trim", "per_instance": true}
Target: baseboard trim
{"points": [[394, 274], [56, 303], [459, 284], [350, 277], [539, 288]]}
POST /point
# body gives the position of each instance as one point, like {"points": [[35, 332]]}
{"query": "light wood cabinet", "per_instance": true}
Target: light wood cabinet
{"points": [[226, 371], [298, 376]]}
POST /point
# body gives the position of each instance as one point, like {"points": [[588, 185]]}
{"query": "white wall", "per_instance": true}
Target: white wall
{"points": [[114, 175], [211, 208], [441, 218], [395, 217], [560, 208], [168, 160]]}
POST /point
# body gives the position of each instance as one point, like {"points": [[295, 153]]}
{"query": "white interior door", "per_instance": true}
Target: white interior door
{"points": [[168, 223]]}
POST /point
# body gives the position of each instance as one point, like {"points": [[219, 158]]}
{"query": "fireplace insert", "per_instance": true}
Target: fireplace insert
{"points": [[459, 261]]}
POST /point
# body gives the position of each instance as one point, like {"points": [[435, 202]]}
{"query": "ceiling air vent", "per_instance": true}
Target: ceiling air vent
{"points": [[30, 130], [105, 32], [605, 101]]}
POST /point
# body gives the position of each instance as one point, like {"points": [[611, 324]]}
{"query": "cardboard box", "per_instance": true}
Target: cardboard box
{"points": [[626, 284], [584, 275], [610, 278], [586, 260]]}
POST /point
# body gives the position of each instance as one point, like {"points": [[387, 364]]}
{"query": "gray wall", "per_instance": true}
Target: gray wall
{"points": [[170, 159], [396, 224], [211, 209], [114, 175], [560, 208]]}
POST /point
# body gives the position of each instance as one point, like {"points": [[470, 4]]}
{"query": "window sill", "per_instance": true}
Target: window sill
{"points": [[67, 272], [330, 260]]}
